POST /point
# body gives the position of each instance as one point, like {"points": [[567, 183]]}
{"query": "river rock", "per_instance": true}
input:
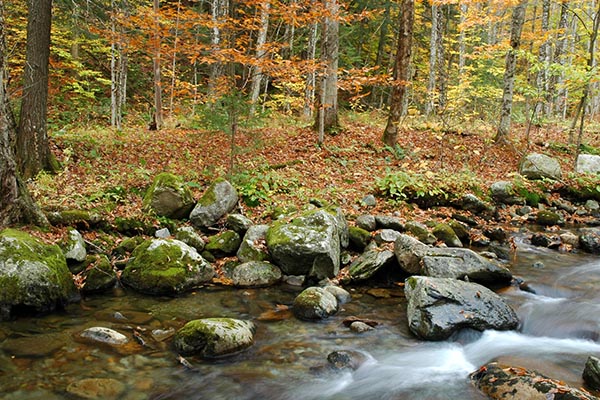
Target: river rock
{"points": [[224, 244], [504, 192], [588, 164], [74, 247], [314, 303], [214, 337], [341, 295], [239, 223], [33, 275], [104, 335], [589, 241], [548, 218], [539, 166], [386, 236], [504, 383], [255, 274], [96, 388], [359, 238], [347, 359], [472, 203], [168, 196], [164, 266], [219, 199], [308, 245], [389, 222], [446, 234], [189, 236], [591, 373], [415, 257], [420, 231], [437, 307], [368, 263], [99, 275], [366, 222], [40, 345], [254, 245]]}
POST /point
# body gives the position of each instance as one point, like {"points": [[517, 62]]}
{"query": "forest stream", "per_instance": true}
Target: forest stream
{"points": [[560, 326]]}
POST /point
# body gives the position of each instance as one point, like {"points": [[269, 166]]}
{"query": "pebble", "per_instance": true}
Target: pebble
{"points": [[360, 327], [104, 335]]}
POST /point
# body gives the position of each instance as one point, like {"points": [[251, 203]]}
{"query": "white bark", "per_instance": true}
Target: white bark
{"points": [[257, 74]]}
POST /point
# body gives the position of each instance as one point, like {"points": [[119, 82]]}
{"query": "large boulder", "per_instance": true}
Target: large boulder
{"points": [[315, 303], [505, 382], [214, 337], [33, 275], [163, 266], [588, 164], [437, 307], [255, 274], [591, 373], [309, 244], [504, 192], [99, 275], [74, 247], [417, 258], [539, 166], [219, 199], [224, 244], [168, 196]]}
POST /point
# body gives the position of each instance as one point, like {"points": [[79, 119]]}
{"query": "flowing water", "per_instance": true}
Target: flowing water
{"points": [[41, 356]]}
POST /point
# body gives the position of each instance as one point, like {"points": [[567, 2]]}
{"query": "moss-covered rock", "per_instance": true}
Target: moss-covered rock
{"points": [[127, 246], [446, 234], [359, 238], [224, 244], [548, 218], [168, 196], [162, 266], [314, 303], [255, 274], [214, 337], [74, 247], [33, 276], [420, 231], [99, 276], [79, 218], [219, 199], [369, 263], [254, 245], [188, 235]]}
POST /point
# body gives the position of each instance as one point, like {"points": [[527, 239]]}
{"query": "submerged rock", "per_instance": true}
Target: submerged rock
{"points": [[315, 303], [162, 266], [505, 383], [214, 337], [33, 275], [104, 335], [40, 345], [347, 359], [437, 307], [96, 388]]}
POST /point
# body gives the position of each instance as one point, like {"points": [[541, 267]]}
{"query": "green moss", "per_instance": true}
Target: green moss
{"points": [[412, 282], [224, 244], [210, 196]]}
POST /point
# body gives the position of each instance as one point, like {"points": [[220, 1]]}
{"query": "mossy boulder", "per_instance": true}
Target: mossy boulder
{"points": [[314, 303], [219, 199], [74, 247], [33, 275], [168, 196], [188, 235], [254, 245], [438, 307], [548, 218], [79, 218], [239, 223], [214, 337], [255, 274], [99, 275], [446, 234], [164, 266], [420, 231], [359, 238], [224, 244], [370, 262], [309, 244]]}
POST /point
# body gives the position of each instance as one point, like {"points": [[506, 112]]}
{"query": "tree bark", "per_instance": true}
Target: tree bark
{"points": [[401, 67], [309, 91], [518, 18], [328, 89], [219, 11], [257, 75], [16, 204], [33, 148], [158, 115], [435, 58]]}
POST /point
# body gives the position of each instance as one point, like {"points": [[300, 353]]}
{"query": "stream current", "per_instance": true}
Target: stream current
{"points": [[560, 327]]}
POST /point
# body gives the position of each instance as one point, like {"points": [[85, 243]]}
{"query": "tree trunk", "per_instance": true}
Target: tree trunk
{"points": [[257, 75], [518, 18], [158, 115], [328, 89], [377, 93], [435, 38], [174, 61], [462, 38], [309, 91], [33, 148], [401, 67], [544, 59], [555, 85], [219, 11], [16, 204], [118, 71]]}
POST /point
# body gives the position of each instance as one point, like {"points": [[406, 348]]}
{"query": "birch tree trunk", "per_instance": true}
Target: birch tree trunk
{"points": [[118, 70], [433, 58], [158, 116], [401, 68], [544, 60], [462, 39], [555, 86], [219, 11], [327, 112], [174, 61], [309, 91], [518, 18], [257, 75], [33, 148], [16, 204]]}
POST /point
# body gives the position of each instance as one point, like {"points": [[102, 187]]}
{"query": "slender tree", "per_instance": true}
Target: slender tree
{"points": [[401, 71], [257, 75], [33, 148], [156, 67], [16, 204], [518, 18]]}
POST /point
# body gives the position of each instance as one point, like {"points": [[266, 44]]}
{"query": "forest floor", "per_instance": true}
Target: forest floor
{"points": [[281, 165]]}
